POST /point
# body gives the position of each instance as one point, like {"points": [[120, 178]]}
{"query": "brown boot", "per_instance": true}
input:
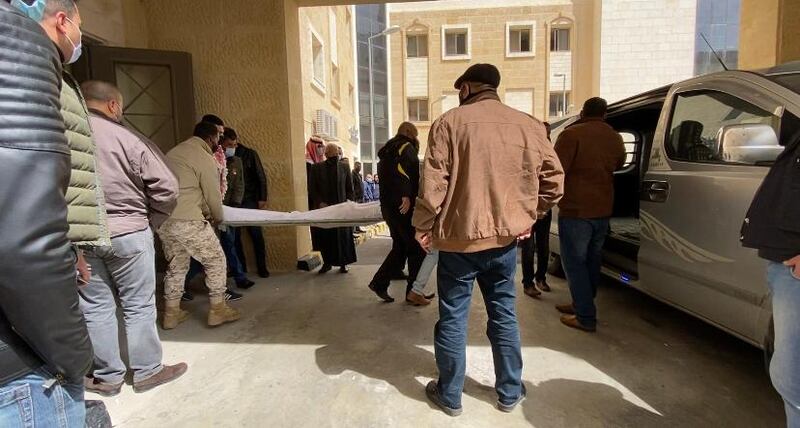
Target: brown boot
{"points": [[415, 299], [220, 313], [174, 315], [568, 309], [166, 375], [532, 291], [572, 321]]}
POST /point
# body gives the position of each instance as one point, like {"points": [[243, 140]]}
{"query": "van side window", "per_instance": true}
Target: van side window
{"points": [[632, 143], [715, 127]]}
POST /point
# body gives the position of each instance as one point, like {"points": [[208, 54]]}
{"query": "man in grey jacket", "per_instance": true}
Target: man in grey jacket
{"points": [[140, 191], [42, 358]]}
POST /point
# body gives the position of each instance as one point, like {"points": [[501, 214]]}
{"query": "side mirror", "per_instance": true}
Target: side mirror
{"points": [[751, 144]]}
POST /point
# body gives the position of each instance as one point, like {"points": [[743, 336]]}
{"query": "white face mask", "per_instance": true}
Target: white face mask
{"points": [[230, 152], [77, 50]]}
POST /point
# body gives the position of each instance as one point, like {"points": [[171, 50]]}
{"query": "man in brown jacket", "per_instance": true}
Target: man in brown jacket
{"points": [[590, 151], [488, 172]]}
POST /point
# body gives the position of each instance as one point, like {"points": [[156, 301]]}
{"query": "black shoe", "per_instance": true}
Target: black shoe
{"points": [[508, 408], [232, 296], [245, 284], [543, 285], [432, 391], [187, 296], [382, 294], [344, 269], [325, 269], [263, 273]]}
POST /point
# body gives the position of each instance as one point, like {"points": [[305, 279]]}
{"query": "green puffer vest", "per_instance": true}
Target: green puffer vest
{"points": [[86, 212]]}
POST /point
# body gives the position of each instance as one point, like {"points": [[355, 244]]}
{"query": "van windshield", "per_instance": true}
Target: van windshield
{"points": [[791, 80]]}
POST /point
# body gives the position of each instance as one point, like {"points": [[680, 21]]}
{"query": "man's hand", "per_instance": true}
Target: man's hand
{"points": [[405, 206], [262, 205], [794, 263], [425, 241], [83, 268], [525, 235]]}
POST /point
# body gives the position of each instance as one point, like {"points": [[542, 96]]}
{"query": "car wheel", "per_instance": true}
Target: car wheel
{"points": [[555, 268], [769, 344]]}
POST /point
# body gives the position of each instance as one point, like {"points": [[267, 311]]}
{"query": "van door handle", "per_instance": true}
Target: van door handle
{"points": [[655, 191]]}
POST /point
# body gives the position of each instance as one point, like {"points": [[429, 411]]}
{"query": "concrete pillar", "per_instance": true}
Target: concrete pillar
{"points": [[246, 58], [769, 34]]}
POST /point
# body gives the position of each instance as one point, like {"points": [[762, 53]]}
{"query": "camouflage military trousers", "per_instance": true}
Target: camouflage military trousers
{"points": [[187, 239]]}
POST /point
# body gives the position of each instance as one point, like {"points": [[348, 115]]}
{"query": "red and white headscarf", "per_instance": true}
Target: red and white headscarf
{"points": [[315, 149]]}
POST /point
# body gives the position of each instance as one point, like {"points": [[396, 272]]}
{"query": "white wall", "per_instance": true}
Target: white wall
{"points": [[645, 44]]}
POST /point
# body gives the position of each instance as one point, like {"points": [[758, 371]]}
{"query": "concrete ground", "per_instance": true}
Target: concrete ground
{"points": [[321, 351]]}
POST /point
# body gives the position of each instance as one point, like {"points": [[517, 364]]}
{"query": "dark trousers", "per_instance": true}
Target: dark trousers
{"points": [[540, 243], [259, 247], [494, 270], [582, 257], [404, 246], [228, 240]]}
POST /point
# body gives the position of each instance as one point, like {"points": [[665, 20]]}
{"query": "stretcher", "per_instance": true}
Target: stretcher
{"points": [[348, 214]]}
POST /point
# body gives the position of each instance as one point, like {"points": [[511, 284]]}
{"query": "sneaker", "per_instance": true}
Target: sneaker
{"points": [[91, 384], [187, 296], [508, 408], [166, 375], [432, 391], [245, 284], [232, 296]]}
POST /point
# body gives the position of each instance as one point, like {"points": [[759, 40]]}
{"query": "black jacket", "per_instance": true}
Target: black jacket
{"points": [[40, 321], [255, 180], [772, 224], [331, 183], [398, 170], [358, 187]]}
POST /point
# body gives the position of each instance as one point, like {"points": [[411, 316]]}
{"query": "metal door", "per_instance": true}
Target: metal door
{"points": [[157, 87]]}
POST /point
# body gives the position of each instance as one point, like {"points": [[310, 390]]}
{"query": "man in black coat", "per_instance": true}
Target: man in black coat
{"points": [[399, 172], [331, 184], [772, 226], [255, 196], [358, 183], [45, 349]]}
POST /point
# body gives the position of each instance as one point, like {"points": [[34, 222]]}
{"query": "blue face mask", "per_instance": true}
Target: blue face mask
{"points": [[34, 10], [230, 152], [76, 49]]}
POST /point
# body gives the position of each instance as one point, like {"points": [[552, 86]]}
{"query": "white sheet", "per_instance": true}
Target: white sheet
{"points": [[347, 214]]}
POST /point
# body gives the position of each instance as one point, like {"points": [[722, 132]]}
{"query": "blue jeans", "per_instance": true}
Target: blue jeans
{"points": [[227, 238], [26, 402], [425, 271], [494, 269], [123, 274], [784, 368], [582, 257]]}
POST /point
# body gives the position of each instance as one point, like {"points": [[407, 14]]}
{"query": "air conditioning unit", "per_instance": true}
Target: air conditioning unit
{"points": [[326, 126]]}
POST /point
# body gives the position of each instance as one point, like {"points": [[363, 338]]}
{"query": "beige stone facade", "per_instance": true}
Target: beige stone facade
{"points": [[248, 66], [328, 77], [439, 40]]}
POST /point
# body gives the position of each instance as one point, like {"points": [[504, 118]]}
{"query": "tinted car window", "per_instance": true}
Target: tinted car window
{"points": [[699, 120], [791, 81]]}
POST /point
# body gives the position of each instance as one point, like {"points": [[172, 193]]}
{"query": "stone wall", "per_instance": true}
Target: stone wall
{"points": [[244, 53]]}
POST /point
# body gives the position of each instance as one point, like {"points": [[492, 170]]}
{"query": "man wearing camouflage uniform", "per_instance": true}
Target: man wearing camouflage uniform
{"points": [[190, 231]]}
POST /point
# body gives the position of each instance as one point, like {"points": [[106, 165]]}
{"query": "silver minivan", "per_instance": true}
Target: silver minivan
{"points": [[697, 152]]}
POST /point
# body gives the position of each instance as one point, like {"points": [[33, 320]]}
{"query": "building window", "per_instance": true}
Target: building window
{"points": [[520, 38], [336, 88], [351, 92], [418, 110], [456, 42], [333, 35], [318, 55], [559, 103], [559, 40], [417, 46]]}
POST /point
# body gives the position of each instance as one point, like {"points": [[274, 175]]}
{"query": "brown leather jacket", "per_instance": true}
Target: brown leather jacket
{"points": [[488, 170], [590, 151]]}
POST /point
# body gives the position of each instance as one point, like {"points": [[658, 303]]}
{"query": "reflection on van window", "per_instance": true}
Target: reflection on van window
{"points": [[715, 127], [631, 146]]}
